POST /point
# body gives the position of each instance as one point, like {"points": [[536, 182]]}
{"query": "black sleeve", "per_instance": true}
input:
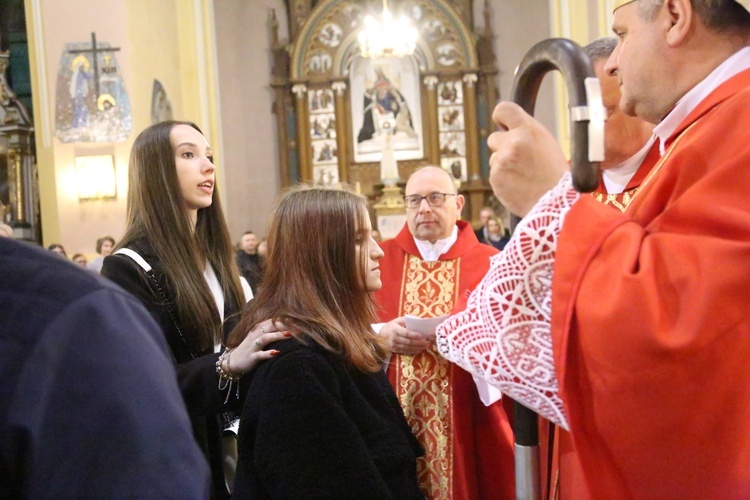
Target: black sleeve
{"points": [[131, 277], [197, 379], [98, 411], [306, 445]]}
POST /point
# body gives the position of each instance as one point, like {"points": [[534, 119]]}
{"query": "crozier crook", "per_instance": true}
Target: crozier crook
{"points": [[587, 150]]}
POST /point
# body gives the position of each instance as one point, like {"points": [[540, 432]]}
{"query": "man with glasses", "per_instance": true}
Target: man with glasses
{"points": [[428, 268]]}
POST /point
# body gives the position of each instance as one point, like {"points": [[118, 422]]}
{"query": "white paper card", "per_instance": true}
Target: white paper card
{"points": [[425, 326], [489, 394]]}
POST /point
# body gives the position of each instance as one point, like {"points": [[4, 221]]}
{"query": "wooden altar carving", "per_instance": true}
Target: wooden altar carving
{"points": [[329, 100]]}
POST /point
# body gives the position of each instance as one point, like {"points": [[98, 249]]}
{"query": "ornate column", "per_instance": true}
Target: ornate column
{"points": [[472, 135], [433, 144], [303, 133], [342, 128]]}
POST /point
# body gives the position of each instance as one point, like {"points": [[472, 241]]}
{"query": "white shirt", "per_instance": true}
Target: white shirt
{"points": [[432, 251], [213, 284], [737, 63], [617, 178]]}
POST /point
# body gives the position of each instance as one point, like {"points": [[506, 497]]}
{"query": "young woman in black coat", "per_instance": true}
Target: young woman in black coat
{"points": [[178, 261], [322, 420]]}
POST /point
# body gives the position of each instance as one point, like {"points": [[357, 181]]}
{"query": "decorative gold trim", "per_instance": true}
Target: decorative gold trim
{"points": [[423, 382]]}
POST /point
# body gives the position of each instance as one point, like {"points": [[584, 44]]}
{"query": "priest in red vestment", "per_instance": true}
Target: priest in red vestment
{"points": [[431, 265], [630, 150], [642, 349]]}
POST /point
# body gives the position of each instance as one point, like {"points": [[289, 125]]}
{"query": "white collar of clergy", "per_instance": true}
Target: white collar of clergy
{"points": [[432, 251]]}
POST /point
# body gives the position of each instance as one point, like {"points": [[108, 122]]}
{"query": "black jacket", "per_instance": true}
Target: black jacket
{"points": [[197, 377], [319, 428]]}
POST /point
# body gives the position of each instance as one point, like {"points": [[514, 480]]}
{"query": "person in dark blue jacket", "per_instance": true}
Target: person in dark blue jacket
{"points": [[89, 403]]}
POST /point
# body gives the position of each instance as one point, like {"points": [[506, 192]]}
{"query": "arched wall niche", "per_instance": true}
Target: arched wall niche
{"points": [[325, 103]]}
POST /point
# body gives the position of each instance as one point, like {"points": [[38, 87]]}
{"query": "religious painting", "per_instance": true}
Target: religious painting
{"points": [[326, 175], [320, 101], [456, 167], [432, 30], [323, 126], [320, 62], [451, 118], [324, 151], [450, 92], [161, 108], [385, 99], [331, 35], [452, 144], [447, 54], [92, 104]]}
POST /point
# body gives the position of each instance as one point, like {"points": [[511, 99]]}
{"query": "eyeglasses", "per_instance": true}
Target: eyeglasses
{"points": [[433, 199]]}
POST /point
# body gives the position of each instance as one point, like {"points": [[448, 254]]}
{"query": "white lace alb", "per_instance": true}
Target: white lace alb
{"points": [[504, 336]]}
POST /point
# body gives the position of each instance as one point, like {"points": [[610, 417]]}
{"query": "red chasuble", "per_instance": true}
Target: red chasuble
{"points": [[651, 321], [469, 447], [567, 477]]}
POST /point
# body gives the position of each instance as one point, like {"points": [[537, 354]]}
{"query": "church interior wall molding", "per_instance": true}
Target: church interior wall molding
{"points": [[444, 86]]}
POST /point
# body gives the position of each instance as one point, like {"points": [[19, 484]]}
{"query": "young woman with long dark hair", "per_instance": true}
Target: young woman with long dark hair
{"points": [[177, 258], [322, 420]]}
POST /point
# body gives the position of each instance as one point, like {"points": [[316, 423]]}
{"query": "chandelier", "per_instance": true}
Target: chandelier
{"points": [[387, 37]]}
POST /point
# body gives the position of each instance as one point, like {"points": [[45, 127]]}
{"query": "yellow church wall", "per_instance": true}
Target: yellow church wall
{"points": [[157, 40], [249, 145], [581, 21], [220, 78]]}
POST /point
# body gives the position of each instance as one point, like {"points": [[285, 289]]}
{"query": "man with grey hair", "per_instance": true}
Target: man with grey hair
{"points": [[629, 151], [647, 330]]}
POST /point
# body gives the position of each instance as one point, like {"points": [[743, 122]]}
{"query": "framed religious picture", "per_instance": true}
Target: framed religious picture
{"points": [[451, 118], [324, 151], [390, 225], [323, 126], [385, 99], [326, 175], [320, 101], [452, 144], [450, 92], [456, 166]]}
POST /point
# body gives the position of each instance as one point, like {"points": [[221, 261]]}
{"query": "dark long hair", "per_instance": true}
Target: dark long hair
{"points": [[156, 211], [314, 280]]}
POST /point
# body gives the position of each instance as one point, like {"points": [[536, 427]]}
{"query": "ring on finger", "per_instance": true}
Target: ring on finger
{"points": [[263, 329], [257, 344]]}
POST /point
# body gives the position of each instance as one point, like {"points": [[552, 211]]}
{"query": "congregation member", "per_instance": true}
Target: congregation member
{"points": [[249, 260], [58, 249], [321, 419], [176, 257], [89, 405], [428, 268], [263, 249], [630, 148], [79, 259], [497, 235], [484, 215], [104, 247], [643, 332]]}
